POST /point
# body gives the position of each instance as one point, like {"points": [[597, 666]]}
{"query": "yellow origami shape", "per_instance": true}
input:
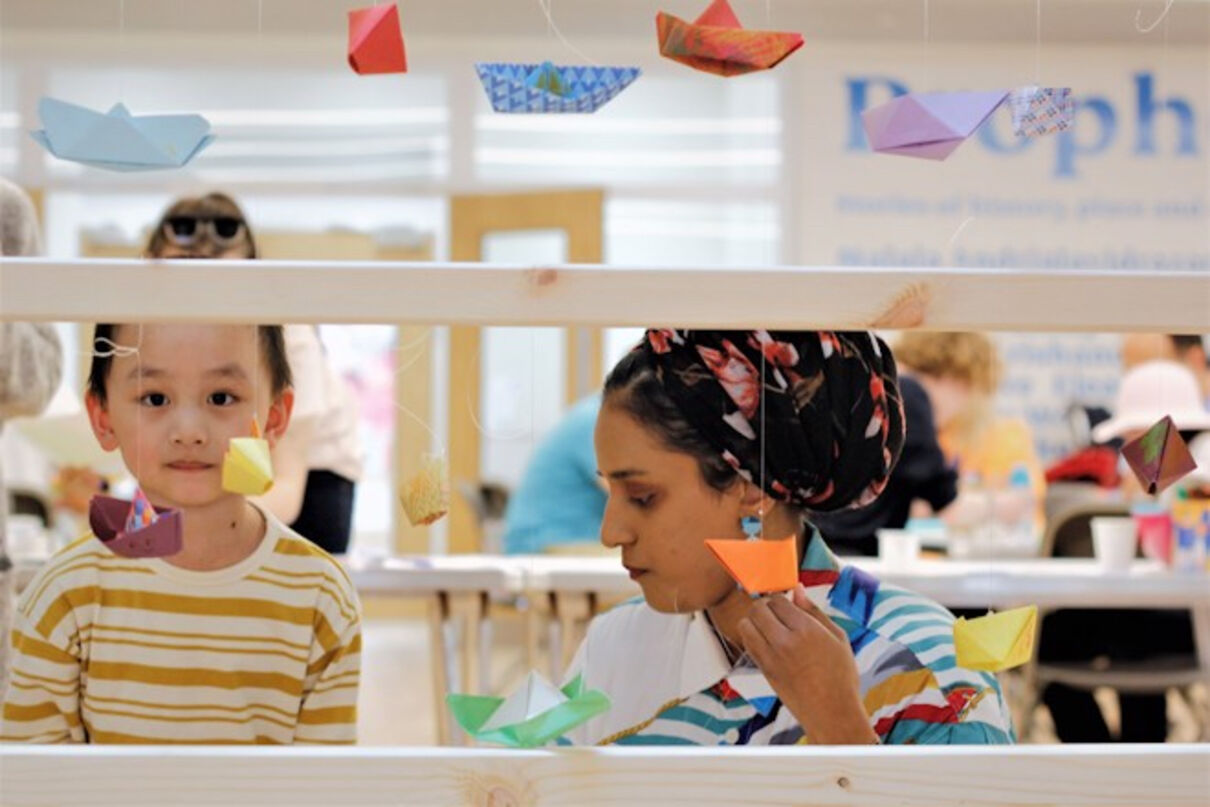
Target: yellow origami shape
{"points": [[248, 465], [997, 641], [425, 496]]}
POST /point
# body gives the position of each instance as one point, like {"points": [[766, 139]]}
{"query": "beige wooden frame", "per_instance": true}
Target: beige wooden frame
{"points": [[925, 776]]}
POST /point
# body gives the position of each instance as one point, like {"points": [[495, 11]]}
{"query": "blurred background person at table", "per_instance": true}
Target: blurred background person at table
{"points": [[318, 461], [1147, 393], [560, 501], [961, 372], [922, 475], [31, 363], [1183, 348]]}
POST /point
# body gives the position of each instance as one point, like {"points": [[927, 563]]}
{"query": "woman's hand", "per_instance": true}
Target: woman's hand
{"points": [[807, 659]]}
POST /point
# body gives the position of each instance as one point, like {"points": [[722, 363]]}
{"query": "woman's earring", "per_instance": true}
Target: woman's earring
{"points": [[751, 526]]}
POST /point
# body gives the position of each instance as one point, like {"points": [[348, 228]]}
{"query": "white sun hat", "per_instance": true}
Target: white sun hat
{"points": [[1150, 391]]}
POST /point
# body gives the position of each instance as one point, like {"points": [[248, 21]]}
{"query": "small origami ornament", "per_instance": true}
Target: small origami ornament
{"points": [[546, 87], [425, 495], [117, 140], [928, 125], [760, 566], [1159, 456], [135, 529], [248, 465], [376, 40], [547, 77], [1039, 111], [533, 715], [716, 42], [997, 641]]}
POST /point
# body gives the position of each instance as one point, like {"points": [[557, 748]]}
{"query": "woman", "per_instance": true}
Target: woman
{"points": [[700, 431], [318, 461]]}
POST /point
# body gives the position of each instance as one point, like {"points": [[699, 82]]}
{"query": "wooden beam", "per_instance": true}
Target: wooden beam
{"points": [[594, 295], [936, 776]]}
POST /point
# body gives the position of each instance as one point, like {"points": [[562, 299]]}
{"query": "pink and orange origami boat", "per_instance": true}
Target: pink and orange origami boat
{"points": [[716, 42]]}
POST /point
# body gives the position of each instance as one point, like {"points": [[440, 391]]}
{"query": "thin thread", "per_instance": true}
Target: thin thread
{"points": [[762, 435], [1038, 43], [1138, 19], [958, 232], [122, 48], [550, 21]]}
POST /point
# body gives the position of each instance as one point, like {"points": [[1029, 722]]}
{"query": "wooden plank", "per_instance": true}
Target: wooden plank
{"points": [[595, 295], [1104, 776]]}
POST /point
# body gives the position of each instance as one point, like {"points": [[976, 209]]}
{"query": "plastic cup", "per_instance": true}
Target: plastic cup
{"points": [[1114, 541], [1155, 535]]}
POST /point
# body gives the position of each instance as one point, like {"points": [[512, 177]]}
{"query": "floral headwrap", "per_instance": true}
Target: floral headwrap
{"points": [[814, 417]]}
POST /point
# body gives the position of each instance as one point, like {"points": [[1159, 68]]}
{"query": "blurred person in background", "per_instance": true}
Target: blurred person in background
{"points": [[31, 364]]}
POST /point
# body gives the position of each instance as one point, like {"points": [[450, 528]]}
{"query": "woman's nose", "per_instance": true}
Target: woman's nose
{"points": [[614, 530]]}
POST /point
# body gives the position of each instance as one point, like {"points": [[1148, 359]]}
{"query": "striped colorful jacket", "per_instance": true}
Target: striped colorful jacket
{"points": [[108, 649], [671, 684]]}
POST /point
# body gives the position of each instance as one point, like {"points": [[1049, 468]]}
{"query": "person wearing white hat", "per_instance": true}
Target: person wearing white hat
{"points": [[1148, 392]]}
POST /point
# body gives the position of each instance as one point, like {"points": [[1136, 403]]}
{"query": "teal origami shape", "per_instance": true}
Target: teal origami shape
{"points": [[547, 77], [117, 140], [535, 714]]}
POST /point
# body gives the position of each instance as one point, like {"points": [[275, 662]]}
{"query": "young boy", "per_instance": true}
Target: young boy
{"points": [[249, 634]]}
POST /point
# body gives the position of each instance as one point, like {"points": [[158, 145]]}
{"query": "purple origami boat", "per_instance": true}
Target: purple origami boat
{"points": [[928, 125], [108, 518]]}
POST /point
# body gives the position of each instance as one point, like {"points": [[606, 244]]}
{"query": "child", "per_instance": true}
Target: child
{"points": [[250, 633]]}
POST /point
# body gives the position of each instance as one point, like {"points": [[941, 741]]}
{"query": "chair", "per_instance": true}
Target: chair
{"points": [[1069, 534]]}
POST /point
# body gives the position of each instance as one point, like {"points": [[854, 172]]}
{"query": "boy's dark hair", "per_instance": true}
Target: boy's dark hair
{"points": [[272, 350]]}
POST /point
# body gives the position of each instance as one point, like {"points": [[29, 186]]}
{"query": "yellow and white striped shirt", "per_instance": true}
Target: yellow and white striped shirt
{"points": [[108, 649]]}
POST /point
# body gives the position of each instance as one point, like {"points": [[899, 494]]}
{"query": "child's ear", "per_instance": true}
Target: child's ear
{"points": [[279, 416], [98, 418]]}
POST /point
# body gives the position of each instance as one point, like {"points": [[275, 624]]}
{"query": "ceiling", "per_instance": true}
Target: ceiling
{"points": [[1091, 21]]}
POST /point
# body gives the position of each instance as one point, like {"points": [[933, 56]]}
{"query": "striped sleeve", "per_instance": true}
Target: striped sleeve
{"points": [[42, 704], [328, 714]]}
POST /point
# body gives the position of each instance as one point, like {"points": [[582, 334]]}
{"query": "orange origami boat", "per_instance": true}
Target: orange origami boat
{"points": [[760, 567], [716, 42]]}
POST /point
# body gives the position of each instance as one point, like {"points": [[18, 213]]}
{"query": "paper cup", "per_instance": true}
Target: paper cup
{"points": [[898, 549], [1115, 541]]}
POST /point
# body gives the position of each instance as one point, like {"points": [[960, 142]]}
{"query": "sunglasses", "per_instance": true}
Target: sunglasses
{"points": [[185, 231]]}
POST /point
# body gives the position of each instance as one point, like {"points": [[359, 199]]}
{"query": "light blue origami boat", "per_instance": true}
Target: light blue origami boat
{"points": [[119, 141]]}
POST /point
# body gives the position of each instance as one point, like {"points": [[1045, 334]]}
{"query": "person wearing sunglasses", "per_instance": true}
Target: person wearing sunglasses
{"points": [[318, 461]]}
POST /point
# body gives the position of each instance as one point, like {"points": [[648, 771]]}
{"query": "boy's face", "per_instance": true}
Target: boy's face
{"points": [[172, 407]]}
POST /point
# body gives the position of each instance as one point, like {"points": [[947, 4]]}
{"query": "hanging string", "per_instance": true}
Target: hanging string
{"points": [[1138, 18], [1038, 43], [121, 49], [545, 5], [762, 437], [925, 45]]}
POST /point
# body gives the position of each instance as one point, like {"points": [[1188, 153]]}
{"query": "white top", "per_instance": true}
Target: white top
{"points": [[324, 401]]}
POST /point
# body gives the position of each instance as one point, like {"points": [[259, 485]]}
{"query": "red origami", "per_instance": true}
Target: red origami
{"points": [[716, 42], [376, 40]]}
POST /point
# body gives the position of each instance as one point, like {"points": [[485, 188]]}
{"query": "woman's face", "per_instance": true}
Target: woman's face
{"points": [[660, 512]]}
